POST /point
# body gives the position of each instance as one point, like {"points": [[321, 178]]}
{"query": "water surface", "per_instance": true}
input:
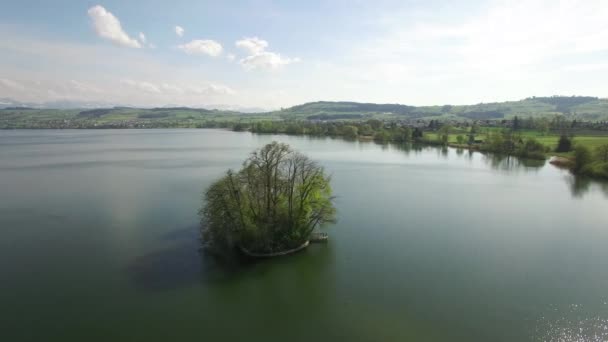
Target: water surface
{"points": [[100, 243]]}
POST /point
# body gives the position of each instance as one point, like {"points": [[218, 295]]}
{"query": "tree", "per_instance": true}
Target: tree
{"points": [[417, 135], [349, 131], [582, 157], [382, 136], [272, 204], [444, 134], [543, 125], [459, 139], [375, 124], [564, 144], [471, 139], [516, 124], [474, 128], [602, 153]]}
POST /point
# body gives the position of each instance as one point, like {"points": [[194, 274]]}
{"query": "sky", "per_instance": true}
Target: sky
{"points": [[272, 54]]}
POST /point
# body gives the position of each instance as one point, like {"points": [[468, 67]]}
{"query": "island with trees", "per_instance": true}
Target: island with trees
{"points": [[270, 207]]}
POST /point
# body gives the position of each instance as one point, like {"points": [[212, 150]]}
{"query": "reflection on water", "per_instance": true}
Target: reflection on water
{"points": [[510, 163], [574, 324], [176, 265], [431, 245], [580, 185], [181, 263]]}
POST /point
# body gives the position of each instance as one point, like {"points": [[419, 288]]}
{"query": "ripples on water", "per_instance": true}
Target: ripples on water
{"points": [[575, 324]]}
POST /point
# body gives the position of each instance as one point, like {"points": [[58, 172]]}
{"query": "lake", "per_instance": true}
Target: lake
{"points": [[100, 243]]}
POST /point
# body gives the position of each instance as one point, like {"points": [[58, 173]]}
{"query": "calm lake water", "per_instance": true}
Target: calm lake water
{"points": [[99, 242]]}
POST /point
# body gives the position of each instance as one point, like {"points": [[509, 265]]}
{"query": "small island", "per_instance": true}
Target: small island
{"points": [[270, 207]]}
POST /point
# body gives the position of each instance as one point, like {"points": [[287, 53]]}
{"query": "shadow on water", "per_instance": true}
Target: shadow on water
{"points": [[580, 185], [510, 163], [176, 265], [182, 262]]}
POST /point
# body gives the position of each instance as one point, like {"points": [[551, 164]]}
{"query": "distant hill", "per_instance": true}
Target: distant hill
{"points": [[18, 115], [579, 107]]}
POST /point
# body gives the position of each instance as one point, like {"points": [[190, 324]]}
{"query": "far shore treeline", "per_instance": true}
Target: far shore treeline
{"points": [[574, 128]]}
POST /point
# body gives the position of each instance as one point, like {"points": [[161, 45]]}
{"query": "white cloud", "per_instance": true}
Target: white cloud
{"points": [[179, 31], [202, 47], [108, 27], [143, 86], [10, 84], [84, 87], [266, 60], [142, 37], [179, 89], [212, 89], [231, 57], [259, 58], [252, 45]]}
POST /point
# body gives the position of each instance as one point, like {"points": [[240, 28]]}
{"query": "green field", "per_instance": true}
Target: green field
{"points": [[592, 140]]}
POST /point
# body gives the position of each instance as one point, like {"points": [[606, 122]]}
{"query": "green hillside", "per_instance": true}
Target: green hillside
{"points": [[119, 117], [576, 107]]}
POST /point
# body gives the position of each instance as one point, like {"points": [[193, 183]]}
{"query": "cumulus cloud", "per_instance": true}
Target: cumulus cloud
{"points": [[178, 89], [11, 84], [202, 47], [179, 31], [83, 87], [108, 27], [253, 45], [266, 60], [259, 58], [143, 86], [212, 89], [142, 37]]}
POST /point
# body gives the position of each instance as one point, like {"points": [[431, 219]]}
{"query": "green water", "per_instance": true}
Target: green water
{"points": [[99, 243]]}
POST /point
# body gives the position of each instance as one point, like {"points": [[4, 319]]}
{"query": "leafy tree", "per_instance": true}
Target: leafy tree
{"points": [[459, 139], [375, 124], [582, 157], [471, 139], [349, 131], [602, 153], [272, 204], [543, 125], [382, 136], [564, 144], [474, 129], [366, 130], [417, 134], [444, 134], [404, 134], [532, 148], [516, 124]]}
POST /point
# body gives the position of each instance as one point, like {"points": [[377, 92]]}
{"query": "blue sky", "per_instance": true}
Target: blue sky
{"points": [[271, 54]]}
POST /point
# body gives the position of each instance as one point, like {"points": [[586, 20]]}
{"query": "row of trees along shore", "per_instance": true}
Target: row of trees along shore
{"points": [[592, 163], [504, 140]]}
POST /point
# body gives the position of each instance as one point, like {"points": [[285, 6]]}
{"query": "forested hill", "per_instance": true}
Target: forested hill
{"points": [[580, 107]]}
